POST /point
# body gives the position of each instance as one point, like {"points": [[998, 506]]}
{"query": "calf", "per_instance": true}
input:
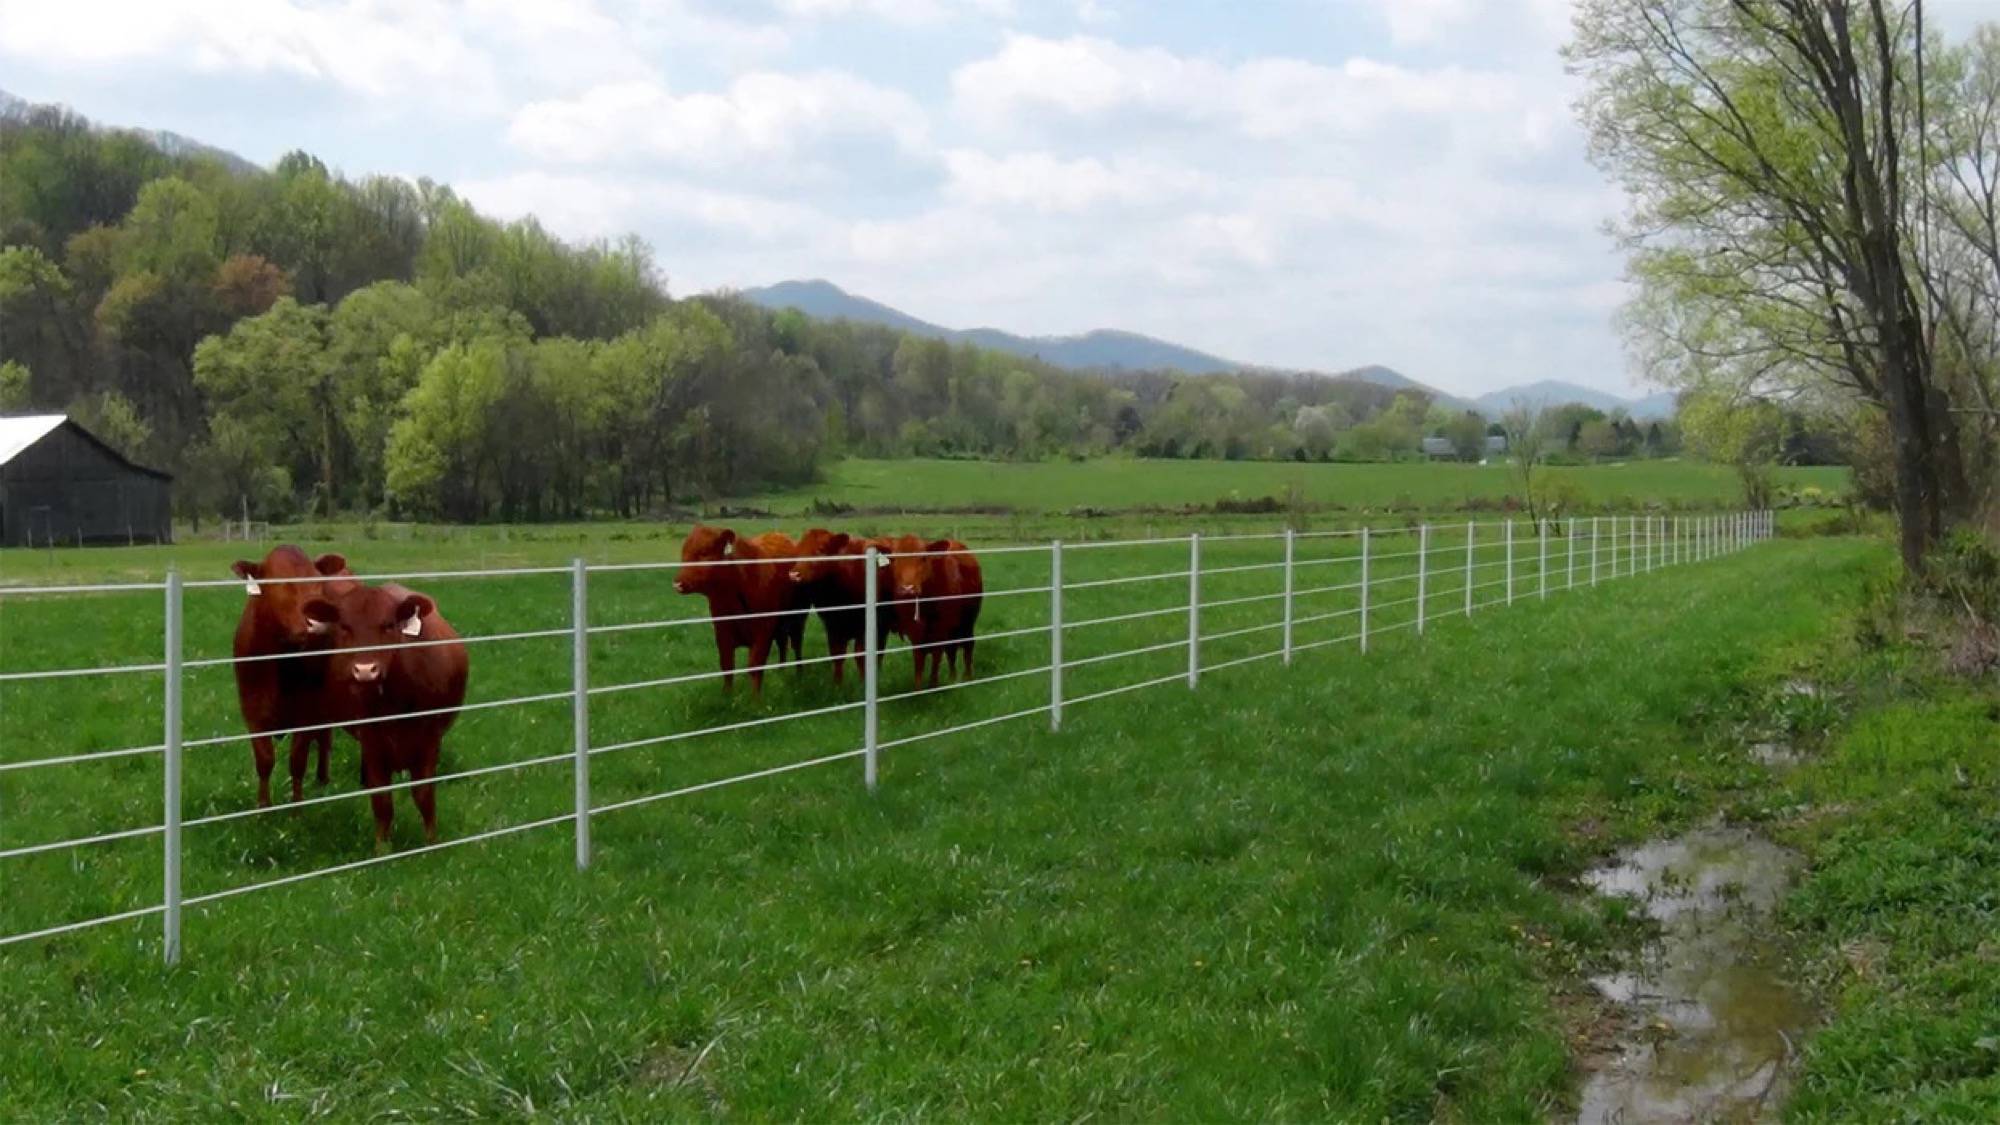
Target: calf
{"points": [[832, 574], [740, 589], [382, 665], [288, 692], [938, 591]]}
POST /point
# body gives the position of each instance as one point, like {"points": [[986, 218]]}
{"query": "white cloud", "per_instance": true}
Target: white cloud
{"points": [[600, 206], [897, 11], [1041, 181], [763, 116]]}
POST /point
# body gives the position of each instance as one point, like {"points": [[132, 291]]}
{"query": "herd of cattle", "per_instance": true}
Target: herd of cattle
{"points": [[316, 648]]}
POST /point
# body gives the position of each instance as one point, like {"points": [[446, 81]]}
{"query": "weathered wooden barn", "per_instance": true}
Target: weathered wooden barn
{"points": [[59, 484]]}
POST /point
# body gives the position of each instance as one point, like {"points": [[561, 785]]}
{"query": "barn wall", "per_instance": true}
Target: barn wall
{"points": [[66, 486]]}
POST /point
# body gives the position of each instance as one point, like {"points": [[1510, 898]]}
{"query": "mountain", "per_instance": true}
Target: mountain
{"points": [[1555, 392], [1104, 349], [1395, 380], [15, 107]]}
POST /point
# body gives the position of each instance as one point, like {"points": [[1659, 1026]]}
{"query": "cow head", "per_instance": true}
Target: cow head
{"points": [[819, 543], [910, 569], [285, 581], [368, 618], [705, 545]]}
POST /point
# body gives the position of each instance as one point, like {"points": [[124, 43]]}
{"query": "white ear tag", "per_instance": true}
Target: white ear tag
{"points": [[413, 626], [317, 627], [251, 588], [881, 561]]}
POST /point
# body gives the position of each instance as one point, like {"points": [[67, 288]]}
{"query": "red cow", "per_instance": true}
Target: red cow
{"points": [[286, 693], [740, 589], [938, 589], [379, 667], [837, 587]]}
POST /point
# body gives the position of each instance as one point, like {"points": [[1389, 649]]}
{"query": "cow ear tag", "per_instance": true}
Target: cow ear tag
{"points": [[413, 626], [881, 561], [251, 588]]}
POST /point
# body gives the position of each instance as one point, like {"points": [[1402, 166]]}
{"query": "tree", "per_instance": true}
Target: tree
{"points": [[269, 374], [1744, 435], [1768, 149], [16, 388], [1527, 446], [1467, 434]]}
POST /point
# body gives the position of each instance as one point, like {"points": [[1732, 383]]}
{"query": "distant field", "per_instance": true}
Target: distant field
{"points": [[1051, 486]]}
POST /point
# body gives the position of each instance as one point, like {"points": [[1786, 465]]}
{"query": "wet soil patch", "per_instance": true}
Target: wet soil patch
{"points": [[1710, 1025]]}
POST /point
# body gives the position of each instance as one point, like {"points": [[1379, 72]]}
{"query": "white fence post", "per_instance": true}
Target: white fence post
{"points": [[1510, 562], [870, 674], [1364, 589], [1471, 532], [1542, 566], [1594, 522], [1632, 547], [1423, 569], [1291, 540], [171, 794], [1055, 635], [579, 617], [1569, 556], [1194, 610]]}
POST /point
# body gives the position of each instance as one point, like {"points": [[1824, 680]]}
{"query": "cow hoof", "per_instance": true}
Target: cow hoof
{"points": [[382, 848]]}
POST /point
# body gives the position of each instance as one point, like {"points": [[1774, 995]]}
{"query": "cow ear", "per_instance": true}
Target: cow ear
{"points": [[412, 612], [839, 542], [320, 615], [938, 545], [728, 540], [247, 571], [330, 564]]}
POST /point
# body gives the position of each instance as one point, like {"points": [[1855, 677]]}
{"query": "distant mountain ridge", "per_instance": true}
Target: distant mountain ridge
{"points": [[1107, 349]]}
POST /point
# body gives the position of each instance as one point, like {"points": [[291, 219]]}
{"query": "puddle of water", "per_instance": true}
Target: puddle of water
{"points": [[1715, 1023]]}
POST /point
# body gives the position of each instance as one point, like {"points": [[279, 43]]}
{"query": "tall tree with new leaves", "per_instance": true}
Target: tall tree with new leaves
{"points": [[1770, 149]]}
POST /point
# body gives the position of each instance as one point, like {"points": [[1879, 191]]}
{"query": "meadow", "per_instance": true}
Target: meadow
{"points": [[1125, 484], [1331, 889]]}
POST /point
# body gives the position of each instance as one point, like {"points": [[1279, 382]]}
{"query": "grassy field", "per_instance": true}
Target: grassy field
{"points": [[1338, 889], [1117, 484]]}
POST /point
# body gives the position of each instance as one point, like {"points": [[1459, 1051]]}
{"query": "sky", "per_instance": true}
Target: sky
{"points": [[1315, 184]]}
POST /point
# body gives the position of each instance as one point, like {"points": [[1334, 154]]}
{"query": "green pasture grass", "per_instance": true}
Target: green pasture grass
{"points": [[1902, 826], [1115, 483], [1334, 889]]}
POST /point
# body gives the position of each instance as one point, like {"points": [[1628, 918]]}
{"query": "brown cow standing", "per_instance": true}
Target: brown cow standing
{"points": [[740, 589], [939, 591], [285, 693], [403, 678], [837, 588]]}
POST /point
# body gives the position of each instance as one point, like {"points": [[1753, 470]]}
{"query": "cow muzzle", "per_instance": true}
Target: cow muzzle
{"points": [[797, 575], [367, 671], [680, 586]]}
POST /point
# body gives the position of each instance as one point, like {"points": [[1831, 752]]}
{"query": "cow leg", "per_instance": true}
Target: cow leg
{"points": [[760, 651], [836, 651], [267, 756], [374, 775], [325, 751], [968, 658], [301, 753], [725, 655], [425, 796]]}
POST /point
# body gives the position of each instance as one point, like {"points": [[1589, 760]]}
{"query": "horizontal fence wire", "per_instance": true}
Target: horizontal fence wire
{"points": [[1585, 551]]}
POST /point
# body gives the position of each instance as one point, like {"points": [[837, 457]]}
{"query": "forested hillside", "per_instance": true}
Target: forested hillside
{"points": [[298, 341]]}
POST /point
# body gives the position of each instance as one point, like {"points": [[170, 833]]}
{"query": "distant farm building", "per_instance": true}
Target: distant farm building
{"points": [[59, 484], [1440, 449]]}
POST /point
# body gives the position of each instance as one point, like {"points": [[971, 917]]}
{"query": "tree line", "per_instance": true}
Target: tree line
{"points": [[292, 341]]}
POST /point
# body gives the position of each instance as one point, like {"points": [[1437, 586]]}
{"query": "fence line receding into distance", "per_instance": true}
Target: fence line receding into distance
{"points": [[1585, 550]]}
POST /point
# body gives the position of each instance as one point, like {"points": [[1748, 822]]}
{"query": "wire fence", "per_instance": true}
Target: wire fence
{"points": [[1309, 589]]}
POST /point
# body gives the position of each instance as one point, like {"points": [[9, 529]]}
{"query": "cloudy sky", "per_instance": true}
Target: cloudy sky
{"points": [[1310, 183]]}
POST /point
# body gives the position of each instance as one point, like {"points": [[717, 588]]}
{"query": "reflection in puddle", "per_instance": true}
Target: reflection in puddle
{"points": [[1715, 1022]]}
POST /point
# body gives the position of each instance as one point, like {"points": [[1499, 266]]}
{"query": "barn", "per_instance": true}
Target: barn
{"points": [[59, 484]]}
